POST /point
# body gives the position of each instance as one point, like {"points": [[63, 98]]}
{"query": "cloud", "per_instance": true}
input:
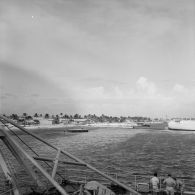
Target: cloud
{"points": [[145, 86], [184, 94], [144, 98], [27, 91], [110, 43], [179, 88], [9, 95], [141, 99], [95, 93], [35, 95]]}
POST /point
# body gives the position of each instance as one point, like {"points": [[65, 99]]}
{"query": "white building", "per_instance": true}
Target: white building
{"points": [[44, 121]]}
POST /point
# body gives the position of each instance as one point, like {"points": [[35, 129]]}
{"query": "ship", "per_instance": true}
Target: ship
{"points": [[182, 125], [80, 177]]}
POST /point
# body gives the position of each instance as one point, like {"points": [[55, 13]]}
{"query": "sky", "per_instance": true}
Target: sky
{"points": [[113, 57]]}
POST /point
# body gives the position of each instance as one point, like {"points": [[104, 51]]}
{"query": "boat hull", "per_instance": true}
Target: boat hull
{"points": [[181, 125]]}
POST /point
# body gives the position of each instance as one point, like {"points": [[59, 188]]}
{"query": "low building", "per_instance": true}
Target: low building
{"points": [[64, 120], [81, 121], [44, 121]]}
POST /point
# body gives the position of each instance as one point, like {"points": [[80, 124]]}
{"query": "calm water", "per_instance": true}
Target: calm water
{"points": [[126, 151]]}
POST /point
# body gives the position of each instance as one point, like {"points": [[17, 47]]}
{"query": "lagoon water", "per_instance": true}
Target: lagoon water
{"points": [[126, 151]]}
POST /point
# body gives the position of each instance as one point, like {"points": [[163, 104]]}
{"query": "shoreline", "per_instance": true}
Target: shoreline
{"points": [[41, 129], [62, 128]]}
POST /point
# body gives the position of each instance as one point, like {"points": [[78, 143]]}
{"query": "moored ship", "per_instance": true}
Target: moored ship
{"points": [[182, 125]]}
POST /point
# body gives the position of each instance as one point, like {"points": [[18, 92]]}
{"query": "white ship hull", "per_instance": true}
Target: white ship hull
{"points": [[183, 125]]}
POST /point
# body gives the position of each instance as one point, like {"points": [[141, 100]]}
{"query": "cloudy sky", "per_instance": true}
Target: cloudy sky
{"points": [[117, 57]]}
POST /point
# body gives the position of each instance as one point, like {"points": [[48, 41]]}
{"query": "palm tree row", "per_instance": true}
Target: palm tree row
{"points": [[95, 118]]}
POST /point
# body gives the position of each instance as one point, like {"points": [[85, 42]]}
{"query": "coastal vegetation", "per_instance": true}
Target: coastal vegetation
{"points": [[26, 118]]}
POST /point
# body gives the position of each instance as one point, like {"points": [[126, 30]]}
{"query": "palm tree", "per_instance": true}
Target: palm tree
{"points": [[14, 117], [76, 116], [36, 115], [46, 115], [24, 114]]}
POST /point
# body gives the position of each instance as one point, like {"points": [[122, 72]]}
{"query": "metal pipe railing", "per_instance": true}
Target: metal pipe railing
{"points": [[71, 156], [60, 161], [27, 156]]}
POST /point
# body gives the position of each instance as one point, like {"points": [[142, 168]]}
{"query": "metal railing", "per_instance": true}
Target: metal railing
{"points": [[20, 153], [131, 180]]}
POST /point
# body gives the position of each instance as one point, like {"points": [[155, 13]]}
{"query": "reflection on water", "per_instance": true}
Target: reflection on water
{"points": [[127, 151]]}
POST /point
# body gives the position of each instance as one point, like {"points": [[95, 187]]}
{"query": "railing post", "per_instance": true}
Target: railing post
{"points": [[85, 179], [135, 182], [183, 187], [56, 163]]}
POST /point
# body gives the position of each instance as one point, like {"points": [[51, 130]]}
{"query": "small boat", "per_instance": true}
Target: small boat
{"points": [[182, 125], [78, 130]]}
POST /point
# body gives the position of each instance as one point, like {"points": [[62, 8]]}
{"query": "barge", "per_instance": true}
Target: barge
{"points": [[77, 130]]}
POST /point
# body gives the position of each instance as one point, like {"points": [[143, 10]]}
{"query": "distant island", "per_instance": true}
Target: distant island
{"points": [[41, 121]]}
